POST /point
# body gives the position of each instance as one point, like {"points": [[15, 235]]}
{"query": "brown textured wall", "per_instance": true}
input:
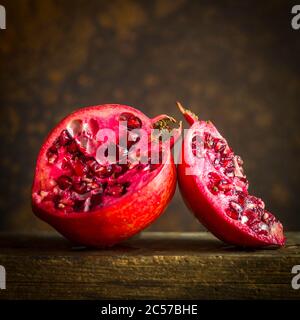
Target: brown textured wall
{"points": [[236, 62]]}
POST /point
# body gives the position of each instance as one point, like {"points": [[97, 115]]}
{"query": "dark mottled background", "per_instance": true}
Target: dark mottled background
{"points": [[235, 62]]}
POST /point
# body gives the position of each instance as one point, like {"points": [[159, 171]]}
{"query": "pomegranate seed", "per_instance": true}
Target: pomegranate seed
{"points": [[72, 147], [133, 122], [67, 200], [94, 126], [229, 172], [52, 155], [241, 196], [268, 218], [80, 168], [216, 162], [232, 214], [213, 176], [220, 145], [225, 185], [119, 169], [214, 189], [103, 171], [260, 228], [209, 141], [252, 216], [236, 207], [64, 138], [265, 216], [253, 203], [80, 187], [116, 190], [66, 165], [64, 182], [227, 160], [99, 187]]}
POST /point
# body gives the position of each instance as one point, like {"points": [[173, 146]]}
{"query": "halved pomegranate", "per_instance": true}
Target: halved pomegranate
{"points": [[93, 198], [213, 184]]}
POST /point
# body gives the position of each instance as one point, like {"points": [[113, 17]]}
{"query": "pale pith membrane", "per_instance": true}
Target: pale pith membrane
{"points": [[79, 183], [225, 180]]}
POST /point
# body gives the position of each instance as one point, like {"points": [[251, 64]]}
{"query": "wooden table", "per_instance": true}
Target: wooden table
{"points": [[153, 265]]}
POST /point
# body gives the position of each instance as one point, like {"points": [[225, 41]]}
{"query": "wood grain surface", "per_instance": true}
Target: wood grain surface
{"points": [[151, 266]]}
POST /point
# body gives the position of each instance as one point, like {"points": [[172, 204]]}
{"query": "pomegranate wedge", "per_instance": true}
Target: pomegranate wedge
{"points": [[214, 186]]}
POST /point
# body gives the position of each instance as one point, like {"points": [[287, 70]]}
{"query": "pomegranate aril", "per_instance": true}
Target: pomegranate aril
{"points": [[252, 217], [197, 149], [268, 218], [224, 185], [253, 203], [79, 167], [116, 189], [216, 162], [92, 185], [66, 199], [64, 138], [133, 122], [236, 207], [232, 214], [66, 165], [64, 182], [219, 145], [227, 160], [80, 187], [52, 155], [213, 176], [99, 187], [93, 126], [214, 189], [119, 169], [260, 228], [103, 171], [72, 147], [240, 196], [208, 141], [229, 172]]}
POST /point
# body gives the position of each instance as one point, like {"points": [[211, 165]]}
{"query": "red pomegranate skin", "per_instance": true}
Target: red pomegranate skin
{"points": [[209, 210], [123, 217]]}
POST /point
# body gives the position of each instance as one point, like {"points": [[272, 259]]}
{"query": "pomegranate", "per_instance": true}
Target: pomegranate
{"points": [[214, 186], [93, 198]]}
